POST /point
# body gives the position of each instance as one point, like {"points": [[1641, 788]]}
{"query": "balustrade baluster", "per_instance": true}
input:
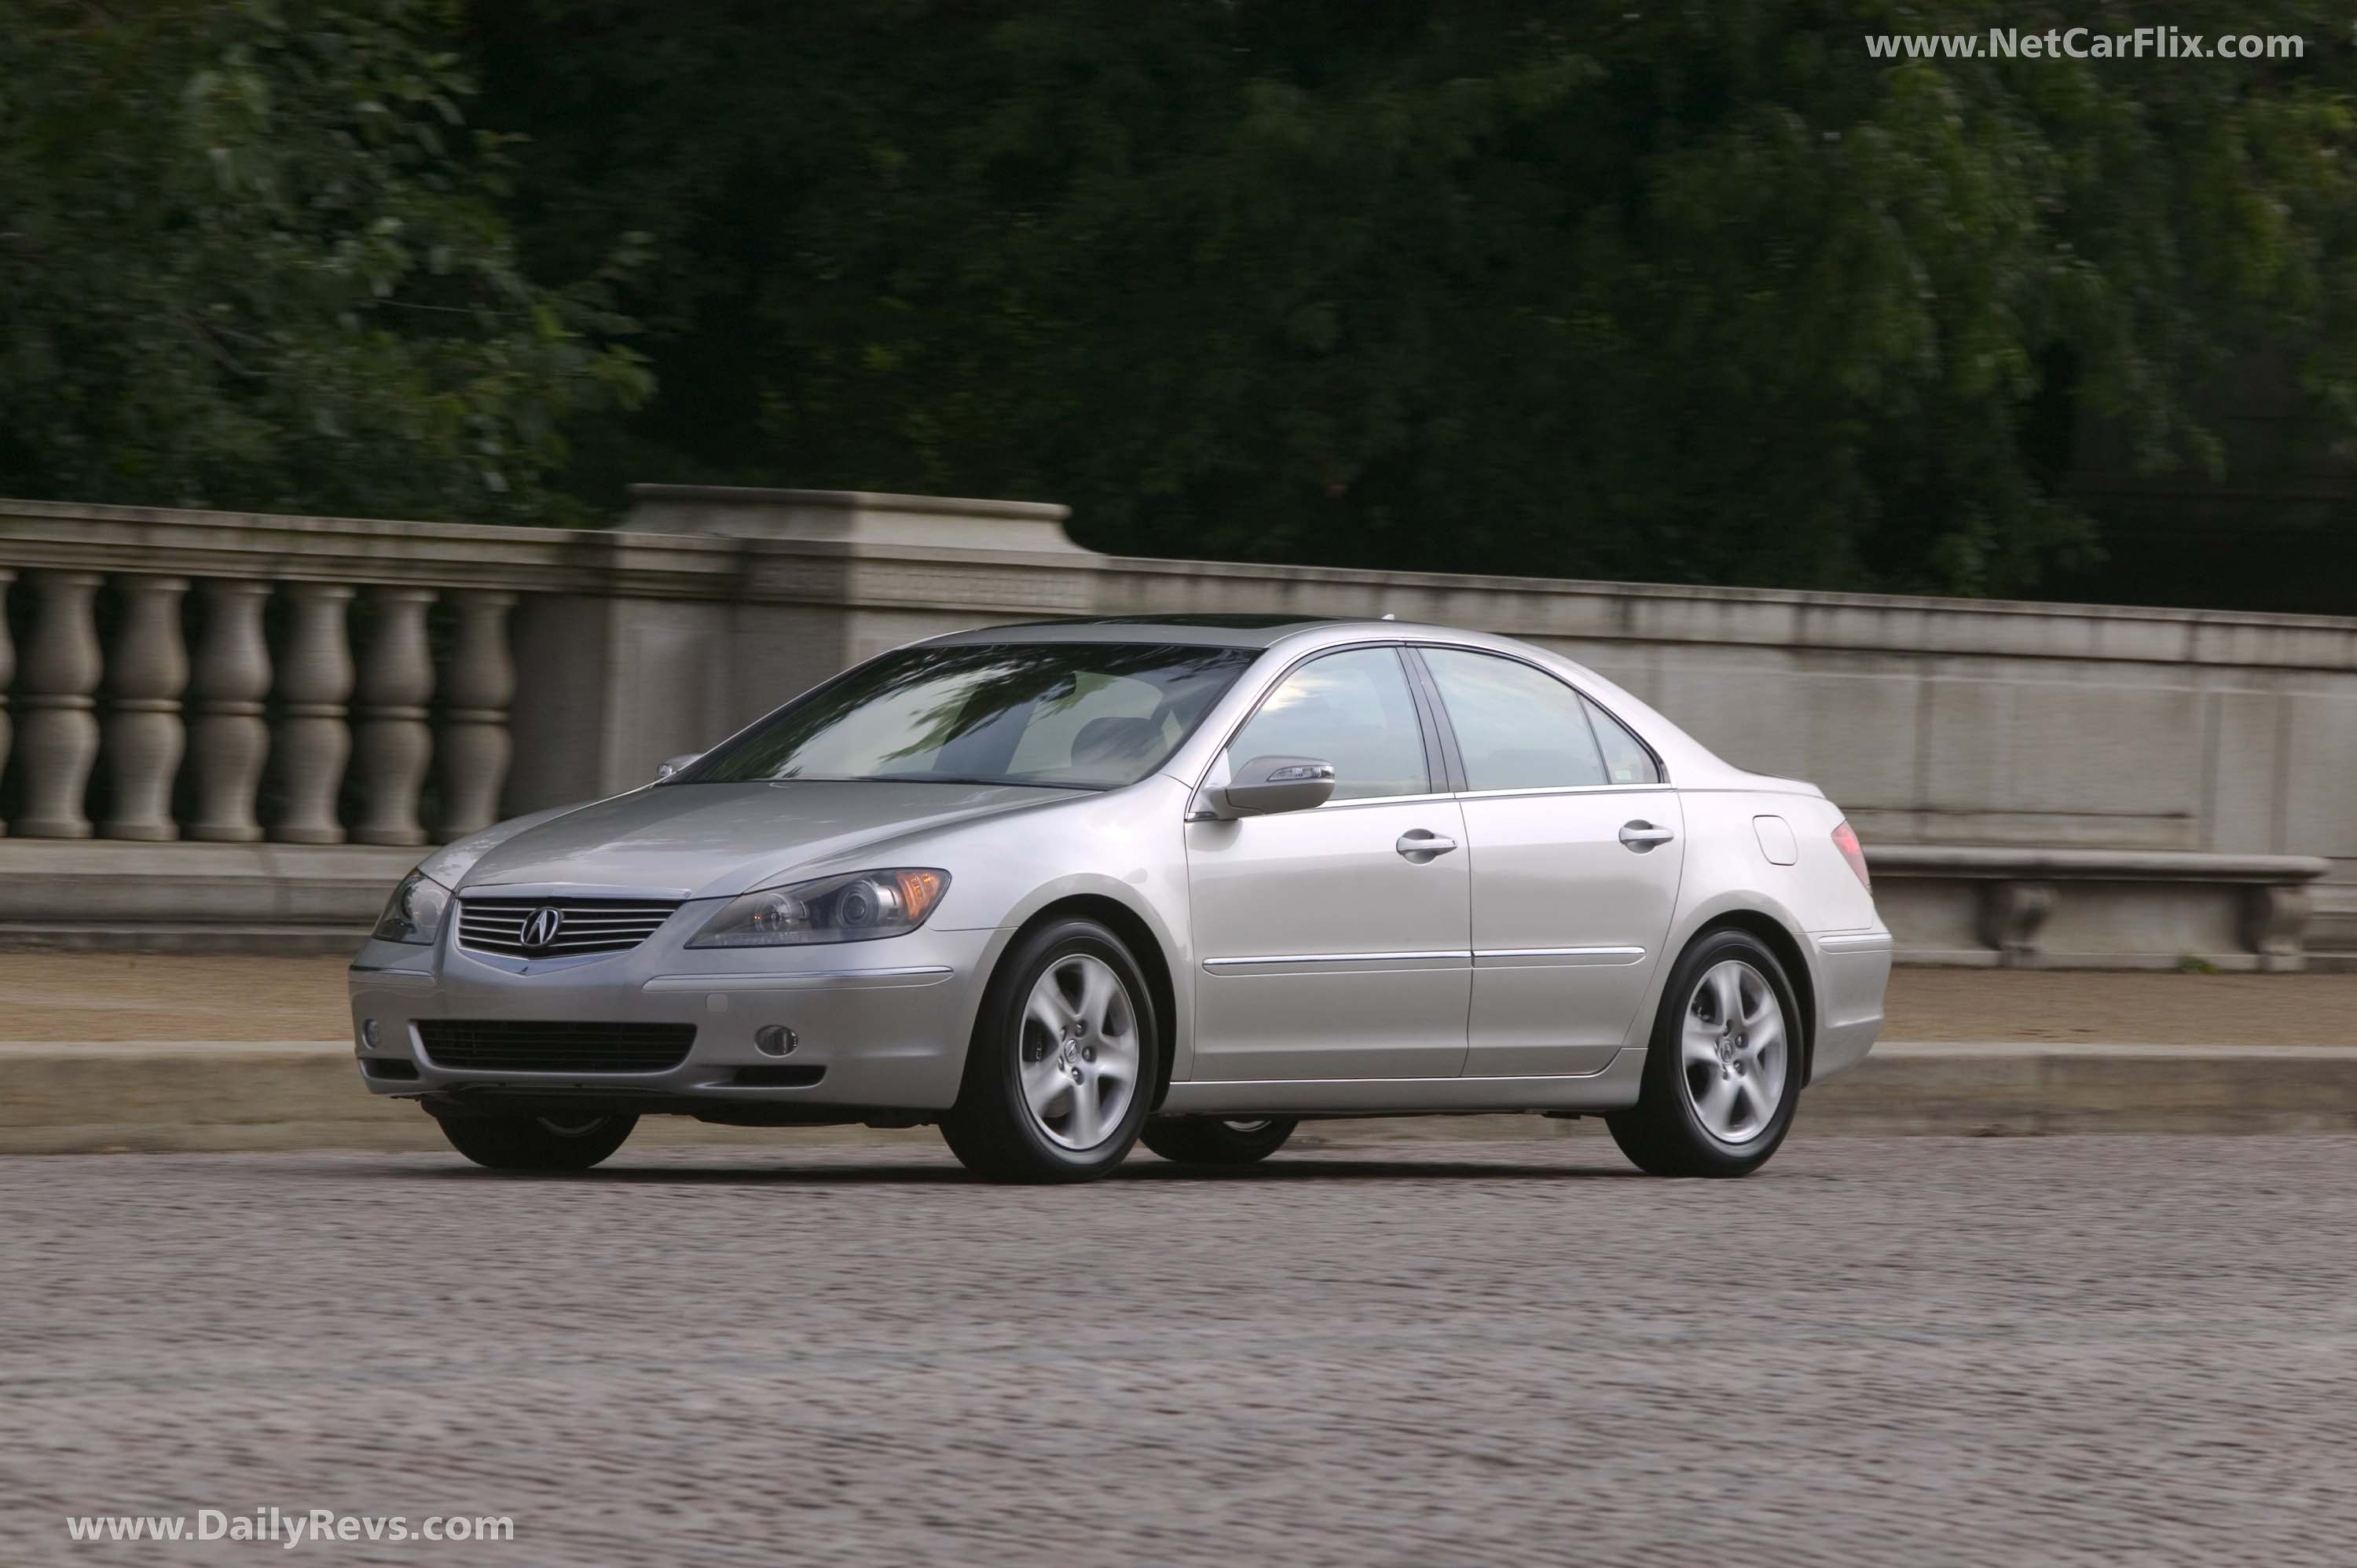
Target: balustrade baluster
{"points": [[314, 680], [228, 738], [392, 740], [145, 673], [58, 735], [7, 672], [473, 749]]}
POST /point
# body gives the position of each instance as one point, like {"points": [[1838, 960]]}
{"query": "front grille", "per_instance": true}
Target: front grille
{"points": [[583, 925], [498, 1046]]}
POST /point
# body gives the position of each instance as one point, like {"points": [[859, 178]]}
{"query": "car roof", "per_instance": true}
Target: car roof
{"points": [[1211, 630], [1691, 764]]}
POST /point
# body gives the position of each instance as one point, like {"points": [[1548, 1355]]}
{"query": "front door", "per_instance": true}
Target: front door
{"points": [[1334, 943], [1576, 846]]}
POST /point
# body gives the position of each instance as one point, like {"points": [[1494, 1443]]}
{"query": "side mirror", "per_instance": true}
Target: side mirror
{"points": [[670, 764], [1268, 785]]}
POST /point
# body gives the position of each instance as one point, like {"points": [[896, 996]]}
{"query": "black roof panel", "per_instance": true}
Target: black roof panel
{"points": [[1213, 629], [1220, 622]]}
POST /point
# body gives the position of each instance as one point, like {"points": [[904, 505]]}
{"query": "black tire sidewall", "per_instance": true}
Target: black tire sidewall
{"points": [[999, 1045], [1667, 1102], [522, 1142], [1208, 1141]]}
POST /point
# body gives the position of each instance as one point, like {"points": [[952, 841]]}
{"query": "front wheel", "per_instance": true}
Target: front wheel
{"points": [[1062, 1064], [1722, 1072], [1200, 1141], [503, 1140]]}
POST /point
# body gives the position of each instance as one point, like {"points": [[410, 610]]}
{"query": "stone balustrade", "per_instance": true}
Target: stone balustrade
{"points": [[225, 692]]}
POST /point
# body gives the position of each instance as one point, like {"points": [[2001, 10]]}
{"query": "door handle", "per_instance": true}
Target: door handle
{"points": [[1421, 846], [1642, 835]]}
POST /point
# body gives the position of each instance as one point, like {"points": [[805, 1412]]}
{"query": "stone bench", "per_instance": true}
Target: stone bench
{"points": [[2092, 908]]}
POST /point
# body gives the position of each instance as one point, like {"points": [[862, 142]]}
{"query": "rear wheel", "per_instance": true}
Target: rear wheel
{"points": [[1062, 1062], [1722, 1072], [503, 1140], [1200, 1141]]}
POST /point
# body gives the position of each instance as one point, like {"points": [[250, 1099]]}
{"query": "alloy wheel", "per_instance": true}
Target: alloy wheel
{"points": [[1733, 1052], [1080, 1057]]}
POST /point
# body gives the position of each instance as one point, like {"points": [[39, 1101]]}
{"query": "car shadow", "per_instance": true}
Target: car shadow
{"points": [[1313, 1171]]}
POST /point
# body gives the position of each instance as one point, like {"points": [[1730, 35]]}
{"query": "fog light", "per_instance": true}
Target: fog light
{"points": [[368, 1033], [775, 1040]]}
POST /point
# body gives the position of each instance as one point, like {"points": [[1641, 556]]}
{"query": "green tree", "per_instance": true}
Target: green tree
{"points": [[1685, 291], [252, 255]]}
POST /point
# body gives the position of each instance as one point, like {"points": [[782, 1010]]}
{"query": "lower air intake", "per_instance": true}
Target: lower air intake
{"points": [[498, 1046]]}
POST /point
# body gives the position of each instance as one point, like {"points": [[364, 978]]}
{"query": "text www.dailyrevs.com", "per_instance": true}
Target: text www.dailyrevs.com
{"points": [[2086, 43], [272, 1526]]}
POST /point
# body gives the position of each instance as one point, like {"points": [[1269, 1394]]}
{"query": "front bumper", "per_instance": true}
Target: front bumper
{"points": [[879, 1025]]}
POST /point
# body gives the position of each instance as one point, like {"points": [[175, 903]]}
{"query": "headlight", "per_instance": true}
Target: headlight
{"points": [[413, 913], [856, 908]]}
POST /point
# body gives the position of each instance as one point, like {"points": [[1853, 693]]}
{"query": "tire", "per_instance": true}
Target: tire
{"points": [[1716, 1099], [1202, 1141], [1062, 1060], [503, 1140]]}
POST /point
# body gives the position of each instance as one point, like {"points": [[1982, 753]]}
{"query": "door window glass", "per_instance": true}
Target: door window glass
{"points": [[1352, 709], [1625, 756], [1519, 728]]}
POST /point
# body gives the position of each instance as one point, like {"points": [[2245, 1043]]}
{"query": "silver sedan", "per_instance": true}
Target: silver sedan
{"points": [[1060, 888]]}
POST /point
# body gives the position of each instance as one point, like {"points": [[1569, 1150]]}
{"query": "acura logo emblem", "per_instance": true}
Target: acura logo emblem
{"points": [[542, 929]]}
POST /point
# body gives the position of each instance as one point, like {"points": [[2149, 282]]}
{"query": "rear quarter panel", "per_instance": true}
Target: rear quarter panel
{"points": [[1726, 868], [1817, 901]]}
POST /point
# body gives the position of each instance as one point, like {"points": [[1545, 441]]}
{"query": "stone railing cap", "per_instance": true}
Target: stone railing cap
{"points": [[852, 500], [858, 519]]}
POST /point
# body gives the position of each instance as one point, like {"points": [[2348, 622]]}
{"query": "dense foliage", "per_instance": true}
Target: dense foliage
{"points": [[1690, 291], [252, 255]]}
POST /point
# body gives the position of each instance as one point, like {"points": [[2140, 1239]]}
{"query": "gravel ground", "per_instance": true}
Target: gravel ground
{"points": [[1917, 1351], [112, 996]]}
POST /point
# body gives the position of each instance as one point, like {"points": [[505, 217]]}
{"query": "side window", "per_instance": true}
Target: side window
{"points": [[1625, 756], [1352, 709], [1519, 728]]}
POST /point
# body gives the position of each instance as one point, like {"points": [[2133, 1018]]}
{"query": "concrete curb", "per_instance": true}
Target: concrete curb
{"points": [[2015, 1089], [198, 1095]]}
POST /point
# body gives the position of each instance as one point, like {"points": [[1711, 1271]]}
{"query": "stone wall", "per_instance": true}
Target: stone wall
{"points": [[1933, 722]]}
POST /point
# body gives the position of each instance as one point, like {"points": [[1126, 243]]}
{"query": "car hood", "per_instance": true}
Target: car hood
{"points": [[710, 841]]}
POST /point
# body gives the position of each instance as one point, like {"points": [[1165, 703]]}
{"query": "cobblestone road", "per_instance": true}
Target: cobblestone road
{"points": [[1921, 1350]]}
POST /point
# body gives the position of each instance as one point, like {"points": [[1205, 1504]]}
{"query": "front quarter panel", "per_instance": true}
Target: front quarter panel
{"points": [[1126, 847]]}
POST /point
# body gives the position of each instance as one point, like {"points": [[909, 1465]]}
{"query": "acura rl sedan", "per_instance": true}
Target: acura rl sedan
{"points": [[1063, 887]]}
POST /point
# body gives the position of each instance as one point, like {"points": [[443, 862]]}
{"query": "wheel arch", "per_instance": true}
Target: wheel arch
{"points": [[1144, 946], [1778, 939]]}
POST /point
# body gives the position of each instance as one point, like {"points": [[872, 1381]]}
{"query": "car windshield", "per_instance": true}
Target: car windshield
{"points": [[1077, 715]]}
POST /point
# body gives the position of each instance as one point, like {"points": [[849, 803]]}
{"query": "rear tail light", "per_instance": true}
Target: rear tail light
{"points": [[1846, 841]]}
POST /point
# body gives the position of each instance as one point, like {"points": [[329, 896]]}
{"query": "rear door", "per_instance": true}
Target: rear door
{"points": [[1577, 844]]}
